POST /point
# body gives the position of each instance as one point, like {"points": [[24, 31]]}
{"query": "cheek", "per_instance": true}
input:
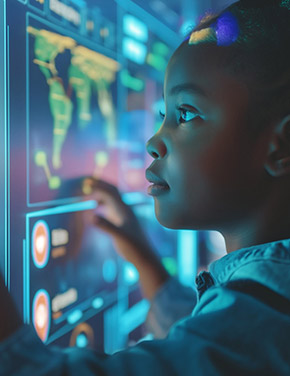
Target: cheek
{"points": [[224, 163], [208, 180], [189, 188], [208, 177], [231, 175]]}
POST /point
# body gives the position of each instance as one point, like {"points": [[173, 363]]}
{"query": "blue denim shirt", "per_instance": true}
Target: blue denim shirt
{"points": [[228, 332]]}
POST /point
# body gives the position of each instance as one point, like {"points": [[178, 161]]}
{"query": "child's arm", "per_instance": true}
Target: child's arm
{"points": [[131, 243], [170, 300], [10, 320]]}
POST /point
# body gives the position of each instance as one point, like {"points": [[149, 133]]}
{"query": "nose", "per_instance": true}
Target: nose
{"points": [[156, 147]]}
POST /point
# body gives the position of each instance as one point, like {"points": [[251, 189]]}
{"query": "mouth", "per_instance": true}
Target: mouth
{"points": [[159, 185], [157, 190]]}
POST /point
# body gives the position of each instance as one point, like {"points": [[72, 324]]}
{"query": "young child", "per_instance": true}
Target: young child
{"points": [[221, 162]]}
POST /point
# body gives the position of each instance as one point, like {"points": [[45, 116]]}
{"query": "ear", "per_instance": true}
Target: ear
{"points": [[278, 158]]}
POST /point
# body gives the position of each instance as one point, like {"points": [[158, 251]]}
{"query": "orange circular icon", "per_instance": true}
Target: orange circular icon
{"points": [[40, 244], [41, 314], [82, 336]]}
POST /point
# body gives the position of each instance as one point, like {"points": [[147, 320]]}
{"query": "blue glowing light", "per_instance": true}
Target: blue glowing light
{"points": [[186, 28], [134, 51], [74, 316], [135, 28], [187, 256], [131, 275], [82, 340], [109, 270], [135, 316], [97, 303], [227, 29]]}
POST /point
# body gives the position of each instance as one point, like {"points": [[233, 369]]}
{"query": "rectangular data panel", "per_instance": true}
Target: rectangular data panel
{"points": [[70, 269]]}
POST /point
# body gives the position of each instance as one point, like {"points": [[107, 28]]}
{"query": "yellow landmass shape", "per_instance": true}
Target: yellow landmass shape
{"points": [[58, 40]]}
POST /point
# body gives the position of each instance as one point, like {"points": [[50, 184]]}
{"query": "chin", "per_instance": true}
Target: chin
{"points": [[181, 224], [171, 223], [165, 222], [170, 226], [174, 219]]}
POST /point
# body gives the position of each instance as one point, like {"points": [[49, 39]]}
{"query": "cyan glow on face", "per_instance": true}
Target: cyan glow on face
{"points": [[227, 29]]}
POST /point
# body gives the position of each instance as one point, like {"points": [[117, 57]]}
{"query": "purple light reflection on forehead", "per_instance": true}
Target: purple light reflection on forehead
{"points": [[227, 29]]}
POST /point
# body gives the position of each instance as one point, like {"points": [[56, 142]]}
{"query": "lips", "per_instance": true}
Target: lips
{"points": [[152, 178]]}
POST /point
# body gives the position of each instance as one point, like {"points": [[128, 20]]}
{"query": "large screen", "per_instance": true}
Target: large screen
{"points": [[82, 93]]}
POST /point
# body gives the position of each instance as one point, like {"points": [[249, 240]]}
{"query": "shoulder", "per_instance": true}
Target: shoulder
{"points": [[229, 326], [228, 316]]}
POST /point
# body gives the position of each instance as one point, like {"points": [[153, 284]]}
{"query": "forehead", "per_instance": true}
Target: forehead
{"points": [[203, 66]]}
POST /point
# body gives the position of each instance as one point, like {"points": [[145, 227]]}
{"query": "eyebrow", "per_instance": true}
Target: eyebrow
{"points": [[188, 87]]}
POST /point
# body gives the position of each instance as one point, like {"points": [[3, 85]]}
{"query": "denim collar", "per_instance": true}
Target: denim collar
{"points": [[267, 263]]}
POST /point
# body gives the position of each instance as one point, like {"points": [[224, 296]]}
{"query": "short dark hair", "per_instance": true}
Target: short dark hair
{"points": [[260, 55]]}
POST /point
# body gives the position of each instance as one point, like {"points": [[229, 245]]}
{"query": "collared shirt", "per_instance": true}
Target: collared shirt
{"points": [[227, 333], [268, 264]]}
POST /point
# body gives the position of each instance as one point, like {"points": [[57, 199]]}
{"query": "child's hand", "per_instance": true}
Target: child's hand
{"points": [[10, 319], [118, 220]]}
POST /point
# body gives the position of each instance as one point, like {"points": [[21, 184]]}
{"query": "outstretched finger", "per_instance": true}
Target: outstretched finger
{"points": [[91, 185]]}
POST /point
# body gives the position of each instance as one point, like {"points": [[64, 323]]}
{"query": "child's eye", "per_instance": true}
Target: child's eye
{"points": [[162, 115], [184, 115]]}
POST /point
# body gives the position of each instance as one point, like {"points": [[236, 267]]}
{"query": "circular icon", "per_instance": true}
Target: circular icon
{"points": [[41, 314], [82, 336], [40, 244]]}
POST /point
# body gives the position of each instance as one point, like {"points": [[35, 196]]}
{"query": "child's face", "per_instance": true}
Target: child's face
{"points": [[213, 166]]}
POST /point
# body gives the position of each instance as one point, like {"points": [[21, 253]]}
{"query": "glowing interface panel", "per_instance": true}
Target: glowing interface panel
{"points": [[83, 84], [72, 120]]}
